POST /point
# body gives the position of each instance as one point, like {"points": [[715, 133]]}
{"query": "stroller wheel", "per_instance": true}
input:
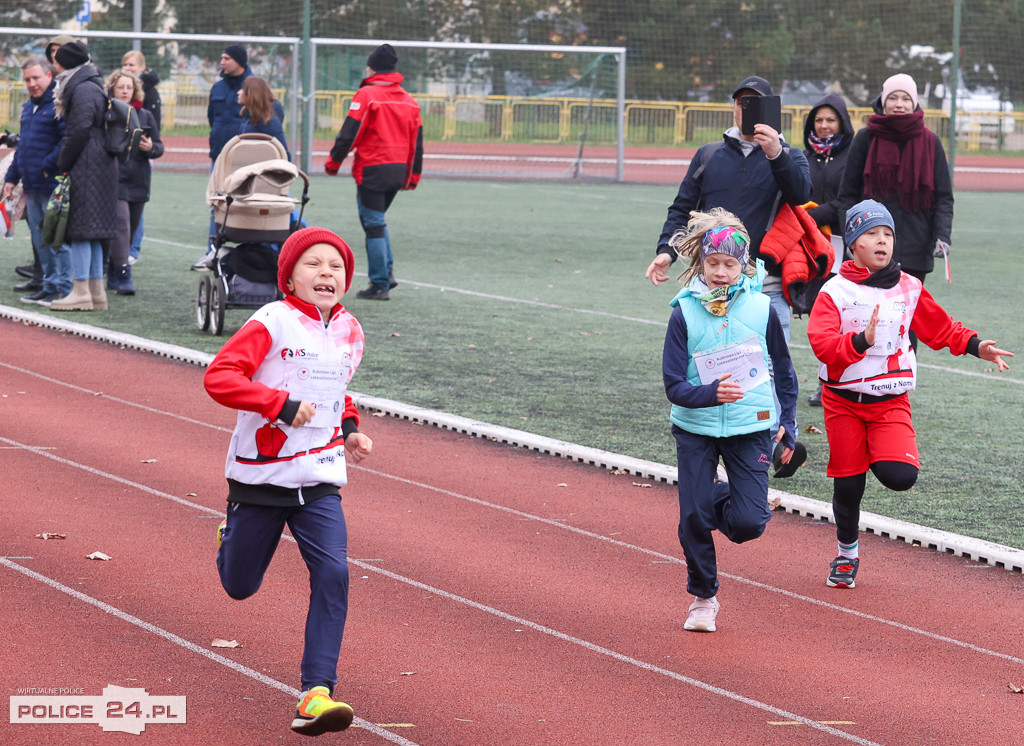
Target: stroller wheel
{"points": [[218, 302], [203, 304]]}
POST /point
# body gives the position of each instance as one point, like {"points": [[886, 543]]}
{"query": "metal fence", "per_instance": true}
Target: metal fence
{"points": [[505, 119]]}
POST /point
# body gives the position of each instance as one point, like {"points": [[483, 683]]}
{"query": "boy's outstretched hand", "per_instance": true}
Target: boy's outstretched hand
{"points": [[987, 350], [358, 446]]}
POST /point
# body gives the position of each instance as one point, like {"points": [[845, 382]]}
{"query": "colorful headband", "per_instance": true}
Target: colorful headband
{"points": [[726, 240]]}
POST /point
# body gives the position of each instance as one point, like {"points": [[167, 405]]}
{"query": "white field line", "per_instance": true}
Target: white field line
{"points": [[560, 524], [369, 567], [187, 644], [943, 541]]}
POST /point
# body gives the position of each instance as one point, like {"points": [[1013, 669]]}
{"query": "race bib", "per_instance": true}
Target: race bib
{"points": [[324, 387], [887, 332], [744, 360]]}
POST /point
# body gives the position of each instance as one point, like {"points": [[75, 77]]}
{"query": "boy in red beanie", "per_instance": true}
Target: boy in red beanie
{"points": [[286, 371]]}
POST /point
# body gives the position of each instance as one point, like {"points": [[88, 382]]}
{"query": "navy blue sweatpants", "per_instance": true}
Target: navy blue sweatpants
{"points": [[739, 508], [250, 539]]}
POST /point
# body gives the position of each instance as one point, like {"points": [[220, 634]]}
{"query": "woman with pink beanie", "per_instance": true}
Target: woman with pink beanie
{"points": [[897, 161]]}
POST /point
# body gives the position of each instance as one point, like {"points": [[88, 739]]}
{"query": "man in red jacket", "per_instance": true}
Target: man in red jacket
{"points": [[384, 129]]}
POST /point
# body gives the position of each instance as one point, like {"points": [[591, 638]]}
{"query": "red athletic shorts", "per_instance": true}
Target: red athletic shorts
{"points": [[860, 434]]}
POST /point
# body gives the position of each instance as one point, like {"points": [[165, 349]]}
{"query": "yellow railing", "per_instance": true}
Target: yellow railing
{"points": [[560, 120]]}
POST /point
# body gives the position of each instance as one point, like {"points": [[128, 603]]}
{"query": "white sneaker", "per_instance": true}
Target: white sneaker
{"points": [[703, 612]]}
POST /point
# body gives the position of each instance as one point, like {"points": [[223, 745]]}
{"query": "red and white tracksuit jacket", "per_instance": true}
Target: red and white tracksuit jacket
{"points": [[385, 130], [285, 354], [889, 367]]}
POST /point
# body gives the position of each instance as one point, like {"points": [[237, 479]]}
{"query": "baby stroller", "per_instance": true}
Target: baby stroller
{"points": [[252, 211]]}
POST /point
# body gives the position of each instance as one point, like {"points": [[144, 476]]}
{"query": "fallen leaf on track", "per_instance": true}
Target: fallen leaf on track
{"points": [[562, 484], [48, 535], [617, 472], [97, 556], [219, 643], [191, 494], [1016, 689], [773, 504], [407, 673], [148, 461], [813, 429], [642, 484]]}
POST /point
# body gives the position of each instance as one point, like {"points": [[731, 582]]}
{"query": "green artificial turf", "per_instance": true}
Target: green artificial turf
{"points": [[525, 305]]}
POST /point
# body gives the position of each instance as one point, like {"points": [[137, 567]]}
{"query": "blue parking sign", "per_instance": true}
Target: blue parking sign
{"points": [[84, 14]]}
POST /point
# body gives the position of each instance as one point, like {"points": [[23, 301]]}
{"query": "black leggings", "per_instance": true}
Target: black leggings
{"points": [[847, 493]]}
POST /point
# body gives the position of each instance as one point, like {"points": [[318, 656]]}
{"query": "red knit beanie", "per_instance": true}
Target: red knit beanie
{"points": [[301, 240]]}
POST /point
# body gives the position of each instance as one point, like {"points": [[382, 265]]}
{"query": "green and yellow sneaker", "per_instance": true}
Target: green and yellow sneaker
{"points": [[220, 532], [317, 713]]}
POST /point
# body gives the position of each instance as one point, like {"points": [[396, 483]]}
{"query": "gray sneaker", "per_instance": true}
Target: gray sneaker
{"points": [[703, 612]]}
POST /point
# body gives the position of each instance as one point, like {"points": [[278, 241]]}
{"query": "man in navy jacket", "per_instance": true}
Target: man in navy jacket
{"points": [[35, 166]]}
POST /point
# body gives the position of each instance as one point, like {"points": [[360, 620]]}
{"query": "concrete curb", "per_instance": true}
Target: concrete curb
{"points": [[978, 550]]}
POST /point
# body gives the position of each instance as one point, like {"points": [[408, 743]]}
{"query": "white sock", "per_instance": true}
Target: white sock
{"points": [[849, 551]]}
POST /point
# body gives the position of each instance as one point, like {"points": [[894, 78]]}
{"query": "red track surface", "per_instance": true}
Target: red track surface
{"points": [[977, 173], [498, 596]]}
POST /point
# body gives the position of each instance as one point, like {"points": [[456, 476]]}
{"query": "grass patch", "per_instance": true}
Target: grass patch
{"points": [[525, 305]]}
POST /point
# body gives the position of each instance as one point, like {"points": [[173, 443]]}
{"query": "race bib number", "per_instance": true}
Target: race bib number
{"points": [[744, 360], [887, 332], [324, 387]]}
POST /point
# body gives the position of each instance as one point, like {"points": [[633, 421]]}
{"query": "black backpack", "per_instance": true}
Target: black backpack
{"points": [[121, 130]]}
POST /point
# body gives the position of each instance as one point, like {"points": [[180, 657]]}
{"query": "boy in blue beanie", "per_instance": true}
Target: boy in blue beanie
{"points": [[860, 330]]}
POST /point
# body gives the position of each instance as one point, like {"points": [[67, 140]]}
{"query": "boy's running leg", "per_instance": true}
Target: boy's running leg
{"points": [[247, 544], [319, 529]]}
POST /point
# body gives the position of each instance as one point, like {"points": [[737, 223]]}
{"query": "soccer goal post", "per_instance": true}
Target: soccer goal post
{"points": [[518, 111]]}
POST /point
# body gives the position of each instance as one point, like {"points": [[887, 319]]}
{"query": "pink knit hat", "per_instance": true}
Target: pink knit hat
{"points": [[900, 82], [301, 240]]}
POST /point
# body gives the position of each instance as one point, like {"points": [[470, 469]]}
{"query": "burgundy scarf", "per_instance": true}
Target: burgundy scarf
{"points": [[910, 174]]}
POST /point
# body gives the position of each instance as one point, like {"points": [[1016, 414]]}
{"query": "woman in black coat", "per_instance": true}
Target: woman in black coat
{"points": [[828, 134], [136, 174], [898, 161], [80, 98]]}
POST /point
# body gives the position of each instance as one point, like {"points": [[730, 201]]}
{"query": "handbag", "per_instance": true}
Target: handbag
{"points": [[58, 207]]}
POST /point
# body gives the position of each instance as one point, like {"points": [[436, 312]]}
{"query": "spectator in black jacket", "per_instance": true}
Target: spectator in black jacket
{"points": [[135, 62], [135, 176], [828, 134], [81, 99], [898, 161]]}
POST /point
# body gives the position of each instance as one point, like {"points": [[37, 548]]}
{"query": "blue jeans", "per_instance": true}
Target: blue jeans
{"points": [[87, 260], [778, 301], [56, 263], [137, 238], [379, 260], [249, 541]]}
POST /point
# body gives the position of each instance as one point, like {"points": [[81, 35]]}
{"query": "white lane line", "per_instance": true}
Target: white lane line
{"points": [[649, 667], [530, 516], [368, 567], [667, 558], [187, 645]]}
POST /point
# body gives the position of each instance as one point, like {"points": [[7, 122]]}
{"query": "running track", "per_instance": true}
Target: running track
{"points": [[499, 596]]}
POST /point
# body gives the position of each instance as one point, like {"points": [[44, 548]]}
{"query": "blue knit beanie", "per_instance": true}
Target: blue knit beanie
{"points": [[864, 216]]}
